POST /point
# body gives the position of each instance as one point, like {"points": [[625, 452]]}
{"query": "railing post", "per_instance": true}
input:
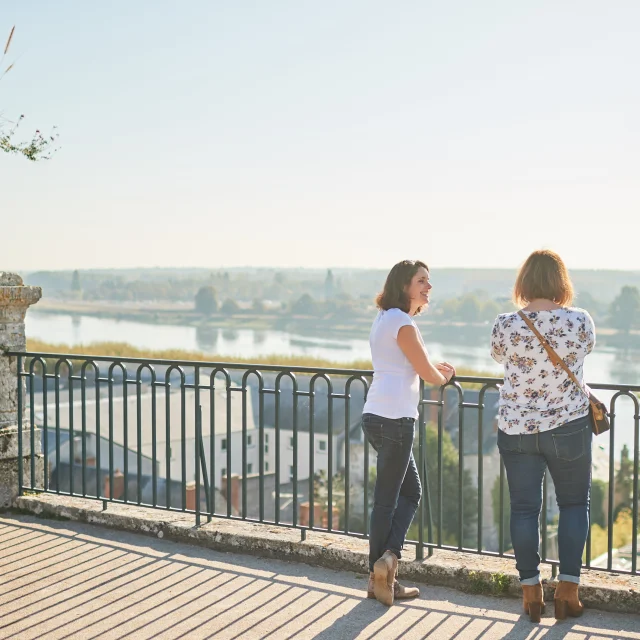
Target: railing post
{"points": [[15, 299]]}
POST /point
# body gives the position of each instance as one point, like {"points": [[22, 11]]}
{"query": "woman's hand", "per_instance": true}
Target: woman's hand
{"points": [[446, 369]]}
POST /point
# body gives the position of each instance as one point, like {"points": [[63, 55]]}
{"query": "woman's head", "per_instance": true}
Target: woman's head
{"points": [[407, 287], [543, 276]]}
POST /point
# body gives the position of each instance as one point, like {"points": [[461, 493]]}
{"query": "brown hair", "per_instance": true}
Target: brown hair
{"points": [[393, 295], [543, 275]]}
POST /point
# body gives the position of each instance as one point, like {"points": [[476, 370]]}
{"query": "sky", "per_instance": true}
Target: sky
{"points": [[351, 133]]}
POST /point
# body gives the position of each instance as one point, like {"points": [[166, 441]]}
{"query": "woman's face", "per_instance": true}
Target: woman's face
{"points": [[418, 289]]}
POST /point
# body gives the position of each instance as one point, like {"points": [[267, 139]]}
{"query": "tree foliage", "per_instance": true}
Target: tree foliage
{"points": [[505, 511], [304, 305], [39, 146], [450, 486], [625, 309], [206, 301], [229, 307]]}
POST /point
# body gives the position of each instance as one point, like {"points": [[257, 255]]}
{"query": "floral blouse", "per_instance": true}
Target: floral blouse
{"points": [[536, 395]]}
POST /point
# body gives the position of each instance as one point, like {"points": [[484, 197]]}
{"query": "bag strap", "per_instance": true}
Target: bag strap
{"points": [[553, 356]]}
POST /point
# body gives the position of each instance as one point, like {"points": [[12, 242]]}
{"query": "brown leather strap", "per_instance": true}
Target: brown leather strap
{"points": [[553, 356]]}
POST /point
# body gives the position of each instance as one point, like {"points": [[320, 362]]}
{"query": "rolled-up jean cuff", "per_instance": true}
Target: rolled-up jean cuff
{"points": [[527, 582], [565, 577]]}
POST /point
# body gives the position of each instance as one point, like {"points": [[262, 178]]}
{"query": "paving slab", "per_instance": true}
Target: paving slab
{"points": [[70, 580]]}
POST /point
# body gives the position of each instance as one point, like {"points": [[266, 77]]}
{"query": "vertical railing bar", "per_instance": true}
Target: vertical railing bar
{"points": [[20, 409], [312, 509], [261, 452], [139, 432], [167, 444], [212, 445], [347, 455], [501, 514], [330, 461], [198, 442], [544, 516], [440, 464], [277, 428], [295, 455], [611, 491], [421, 467], [587, 563], [636, 489], [125, 434], [228, 470], [110, 396], [197, 455], [83, 419], [32, 427], [183, 437], [460, 470], [244, 447], [45, 427], [57, 413], [72, 458], [98, 459], [481, 397], [154, 440]]}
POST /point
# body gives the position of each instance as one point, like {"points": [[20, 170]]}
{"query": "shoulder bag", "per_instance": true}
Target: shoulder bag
{"points": [[598, 414]]}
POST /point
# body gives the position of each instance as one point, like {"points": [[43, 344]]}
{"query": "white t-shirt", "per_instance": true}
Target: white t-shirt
{"points": [[395, 390], [537, 396]]}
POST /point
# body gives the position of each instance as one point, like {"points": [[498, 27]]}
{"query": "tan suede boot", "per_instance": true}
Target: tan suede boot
{"points": [[370, 593], [400, 592], [533, 601], [566, 600], [384, 573]]}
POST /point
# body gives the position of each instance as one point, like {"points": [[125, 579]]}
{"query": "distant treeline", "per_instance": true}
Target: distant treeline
{"points": [[463, 295]]}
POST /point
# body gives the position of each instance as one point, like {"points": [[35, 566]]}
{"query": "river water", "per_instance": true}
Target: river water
{"points": [[603, 366]]}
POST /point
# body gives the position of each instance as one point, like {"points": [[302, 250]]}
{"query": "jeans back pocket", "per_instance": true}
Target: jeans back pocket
{"points": [[509, 442], [569, 446]]}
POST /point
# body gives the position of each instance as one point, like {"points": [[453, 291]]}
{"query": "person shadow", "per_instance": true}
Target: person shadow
{"points": [[440, 613]]}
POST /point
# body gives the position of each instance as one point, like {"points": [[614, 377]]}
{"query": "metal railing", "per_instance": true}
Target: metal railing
{"points": [[157, 433]]}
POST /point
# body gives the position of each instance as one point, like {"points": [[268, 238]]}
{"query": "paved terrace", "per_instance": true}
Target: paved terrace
{"points": [[77, 581]]}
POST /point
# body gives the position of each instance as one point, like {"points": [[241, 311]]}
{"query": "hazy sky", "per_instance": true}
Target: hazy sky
{"points": [[336, 132]]}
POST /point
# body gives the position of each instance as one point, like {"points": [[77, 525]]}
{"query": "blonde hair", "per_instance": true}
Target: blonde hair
{"points": [[543, 275]]}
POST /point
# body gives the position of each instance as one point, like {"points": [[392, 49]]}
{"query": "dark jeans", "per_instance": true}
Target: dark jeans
{"points": [[567, 452], [398, 490]]}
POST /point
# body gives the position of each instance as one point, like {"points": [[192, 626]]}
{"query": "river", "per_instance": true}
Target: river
{"points": [[603, 365]]}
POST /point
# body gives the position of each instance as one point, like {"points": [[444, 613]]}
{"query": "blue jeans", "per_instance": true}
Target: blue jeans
{"points": [[566, 450], [398, 490]]}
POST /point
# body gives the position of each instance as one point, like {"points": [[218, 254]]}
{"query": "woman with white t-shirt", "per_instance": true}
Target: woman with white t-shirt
{"points": [[543, 422], [399, 359]]}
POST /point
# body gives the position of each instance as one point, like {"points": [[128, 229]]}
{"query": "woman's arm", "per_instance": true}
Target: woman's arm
{"points": [[416, 354], [498, 345]]}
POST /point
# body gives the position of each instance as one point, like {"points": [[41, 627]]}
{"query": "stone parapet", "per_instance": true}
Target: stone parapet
{"points": [[15, 299]]}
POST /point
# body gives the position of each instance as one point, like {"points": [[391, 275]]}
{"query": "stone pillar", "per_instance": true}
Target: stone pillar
{"points": [[15, 299]]}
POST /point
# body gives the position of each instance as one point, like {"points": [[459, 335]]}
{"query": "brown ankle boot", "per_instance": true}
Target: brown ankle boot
{"points": [[370, 593], [400, 592], [384, 573], [533, 601], [566, 600]]}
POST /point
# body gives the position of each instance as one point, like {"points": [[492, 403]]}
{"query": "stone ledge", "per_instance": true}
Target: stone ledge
{"points": [[463, 571]]}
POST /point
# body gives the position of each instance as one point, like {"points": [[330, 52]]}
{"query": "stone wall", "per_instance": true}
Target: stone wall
{"points": [[15, 299]]}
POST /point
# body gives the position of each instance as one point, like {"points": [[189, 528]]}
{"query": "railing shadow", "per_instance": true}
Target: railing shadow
{"points": [[119, 584]]}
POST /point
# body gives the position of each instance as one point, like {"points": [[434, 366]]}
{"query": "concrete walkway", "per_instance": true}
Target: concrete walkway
{"points": [[70, 580]]}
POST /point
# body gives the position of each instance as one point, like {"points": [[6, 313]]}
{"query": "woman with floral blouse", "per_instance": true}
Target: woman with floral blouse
{"points": [[543, 423]]}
